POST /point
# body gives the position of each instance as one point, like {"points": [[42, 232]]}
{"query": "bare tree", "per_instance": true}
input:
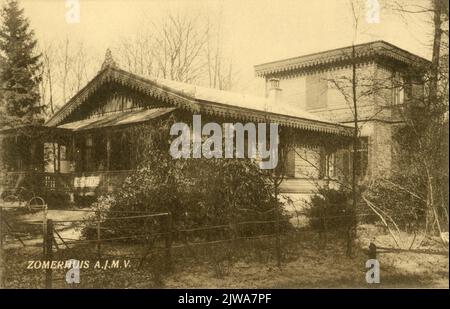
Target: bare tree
{"points": [[220, 68], [181, 41], [65, 70], [47, 79], [349, 87], [136, 53], [180, 47], [426, 120], [420, 171]]}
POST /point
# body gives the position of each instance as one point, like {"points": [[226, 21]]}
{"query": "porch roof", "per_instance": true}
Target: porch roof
{"points": [[117, 119], [31, 130]]}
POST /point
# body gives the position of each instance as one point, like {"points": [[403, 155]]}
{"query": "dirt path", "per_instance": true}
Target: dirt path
{"points": [[28, 225]]}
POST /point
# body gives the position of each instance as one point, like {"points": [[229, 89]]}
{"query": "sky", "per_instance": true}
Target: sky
{"points": [[254, 31]]}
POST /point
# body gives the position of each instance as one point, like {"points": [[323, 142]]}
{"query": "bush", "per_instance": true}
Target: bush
{"points": [[330, 210], [197, 193], [407, 210], [56, 200]]}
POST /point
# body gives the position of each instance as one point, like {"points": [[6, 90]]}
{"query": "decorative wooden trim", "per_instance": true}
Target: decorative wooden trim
{"points": [[328, 59], [186, 102]]}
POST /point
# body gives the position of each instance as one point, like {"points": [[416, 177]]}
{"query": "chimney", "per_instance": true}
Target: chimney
{"points": [[274, 93]]}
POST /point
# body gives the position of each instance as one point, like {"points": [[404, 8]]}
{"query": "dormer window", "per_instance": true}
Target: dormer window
{"points": [[398, 89]]}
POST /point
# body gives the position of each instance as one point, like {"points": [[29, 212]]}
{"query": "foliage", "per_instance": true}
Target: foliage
{"points": [[197, 192], [56, 200], [20, 72], [423, 139], [404, 205], [330, 210], [422, 168], [179, 46]]}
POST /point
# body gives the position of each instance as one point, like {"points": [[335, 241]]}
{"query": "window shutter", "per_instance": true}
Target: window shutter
{"points": [[316, 91]]}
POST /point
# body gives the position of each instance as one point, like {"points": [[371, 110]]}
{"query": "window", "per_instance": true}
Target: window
{"points": [[330, 162], [100, 155], [289, 167], [316, 92], [398, 89], [327, 165], [89, 154], [62, 152], [120, 151], [344, 161], [361, 157]]}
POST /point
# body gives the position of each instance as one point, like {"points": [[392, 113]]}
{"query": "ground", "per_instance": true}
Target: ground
{"points": [[306, 263], [315, 267]]}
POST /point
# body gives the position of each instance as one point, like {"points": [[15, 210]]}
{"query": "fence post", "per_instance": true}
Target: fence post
{"points": [[372, 251], [1, 248], [1, 232], [48, 252], [98, 236], [168, 243], [325, 230], [44, 225], [278, 242]]}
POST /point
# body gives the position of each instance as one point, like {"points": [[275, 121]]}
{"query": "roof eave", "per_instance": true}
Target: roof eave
{"points": [[186, 102], [373, 50]]}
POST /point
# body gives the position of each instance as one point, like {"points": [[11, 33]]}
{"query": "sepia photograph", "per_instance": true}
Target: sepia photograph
{"points": [[196, 145]]}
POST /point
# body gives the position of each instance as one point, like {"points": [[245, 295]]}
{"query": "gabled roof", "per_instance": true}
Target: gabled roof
{"points": [[380, 49], [202, 100]]}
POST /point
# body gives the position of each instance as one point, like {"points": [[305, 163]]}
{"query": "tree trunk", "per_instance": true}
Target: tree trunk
{"points": [[434, 70], [351, 233]]}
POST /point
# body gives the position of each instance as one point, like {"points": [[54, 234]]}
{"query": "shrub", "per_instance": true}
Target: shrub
{"points": [[56, 200], [197, 193], [330, 210], [405, 209]]}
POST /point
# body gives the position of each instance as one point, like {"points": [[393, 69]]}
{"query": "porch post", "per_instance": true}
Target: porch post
{"points": [[73, 170], [74, 155], [33, 162], [59, 157]]}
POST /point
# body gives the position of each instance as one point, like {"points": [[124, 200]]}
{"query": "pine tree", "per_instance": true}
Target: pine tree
{"points": [[19, 77]]}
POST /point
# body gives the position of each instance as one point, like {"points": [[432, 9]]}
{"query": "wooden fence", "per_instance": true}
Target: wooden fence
{"points": [[169, 237], [52, 238]]}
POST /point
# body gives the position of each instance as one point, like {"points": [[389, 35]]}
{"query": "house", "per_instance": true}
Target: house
{"points": [[387, 77], [86, 147]]}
